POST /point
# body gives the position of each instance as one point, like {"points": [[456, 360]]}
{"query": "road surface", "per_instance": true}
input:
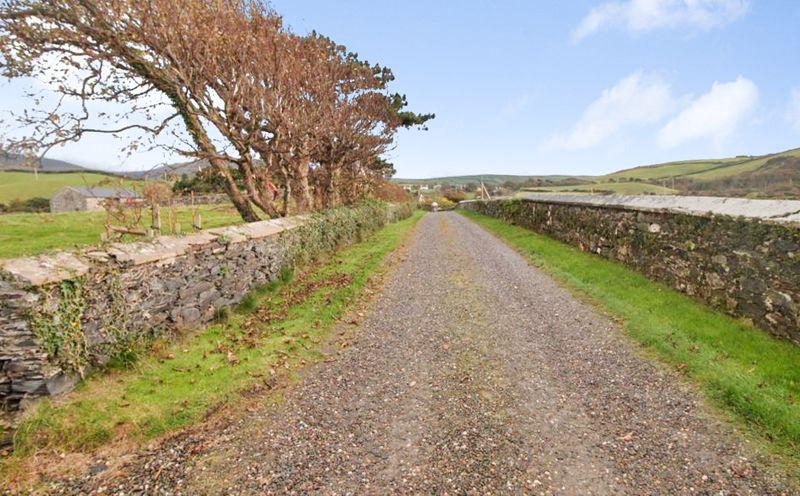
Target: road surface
{"points": [[472, 373]]}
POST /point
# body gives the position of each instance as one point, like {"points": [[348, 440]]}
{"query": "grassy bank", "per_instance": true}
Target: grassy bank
{"points": [[751, 376], [179, 383], [32, 234]]}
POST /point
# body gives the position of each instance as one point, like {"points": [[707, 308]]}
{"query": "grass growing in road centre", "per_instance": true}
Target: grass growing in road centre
{"points": [[180, 383], [750, 374]]}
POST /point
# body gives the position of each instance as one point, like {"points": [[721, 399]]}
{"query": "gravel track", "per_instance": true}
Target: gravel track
{"points": [[473, 373]]}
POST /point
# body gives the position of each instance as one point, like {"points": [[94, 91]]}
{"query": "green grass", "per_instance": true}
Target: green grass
{"points": [[670, 169], [742, 167], [24, 185], [744, 371], [617, 188], [488, 179], [32, 234], [700, 169], [693, 169], [180, 383]]}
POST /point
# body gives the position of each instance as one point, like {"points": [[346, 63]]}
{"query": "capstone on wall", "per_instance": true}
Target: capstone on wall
{"points": [[746, 265]]}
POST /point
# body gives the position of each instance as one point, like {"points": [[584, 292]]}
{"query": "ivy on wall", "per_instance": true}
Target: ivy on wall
{"points": [[58, 326]]}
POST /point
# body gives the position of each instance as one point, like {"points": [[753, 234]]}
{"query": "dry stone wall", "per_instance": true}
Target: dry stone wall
{"points": [[64, 312], [739, 256]]}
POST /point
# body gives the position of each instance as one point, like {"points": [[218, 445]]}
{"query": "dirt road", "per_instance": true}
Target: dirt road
{"points": [[473, 373]]}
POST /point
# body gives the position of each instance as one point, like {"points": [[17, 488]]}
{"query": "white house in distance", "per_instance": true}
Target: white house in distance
{"points": [[80, 199]]}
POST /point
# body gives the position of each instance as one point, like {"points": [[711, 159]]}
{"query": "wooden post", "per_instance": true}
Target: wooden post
{"points": [[156, 215]]}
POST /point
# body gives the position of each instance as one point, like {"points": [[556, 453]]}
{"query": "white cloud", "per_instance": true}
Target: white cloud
{"points": [[645, 15], [714, 115], [793, 109], [637, 99]]}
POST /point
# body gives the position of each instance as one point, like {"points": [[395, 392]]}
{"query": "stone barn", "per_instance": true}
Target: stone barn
{"points": [[79, 199]]}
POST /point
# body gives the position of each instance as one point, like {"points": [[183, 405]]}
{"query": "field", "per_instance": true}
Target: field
{"points": [[700, 169], [743, 167], [722, 356], [670, 169], [776, 175], [488, 179], [632, 188], [24, 185], [31, 234]]}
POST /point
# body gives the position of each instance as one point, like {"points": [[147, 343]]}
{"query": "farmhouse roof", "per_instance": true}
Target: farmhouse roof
{"points": [[105, 192]]}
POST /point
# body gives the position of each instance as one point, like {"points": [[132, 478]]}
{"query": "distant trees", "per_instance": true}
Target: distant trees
{"points": [[301, 120]]}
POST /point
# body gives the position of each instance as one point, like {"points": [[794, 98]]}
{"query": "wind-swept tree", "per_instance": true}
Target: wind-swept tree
{"points": [[300, 118]]}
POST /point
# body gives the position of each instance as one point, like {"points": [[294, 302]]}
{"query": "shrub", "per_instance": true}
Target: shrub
{"points": [[455, 196], [31, 205], [390, 192]]}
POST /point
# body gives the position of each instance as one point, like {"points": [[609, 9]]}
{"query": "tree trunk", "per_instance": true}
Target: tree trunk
{"points": [[241, 203], [304, 200]]}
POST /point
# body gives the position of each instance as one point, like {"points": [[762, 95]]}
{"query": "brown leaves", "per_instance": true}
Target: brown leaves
{"points": [[300, 114]]}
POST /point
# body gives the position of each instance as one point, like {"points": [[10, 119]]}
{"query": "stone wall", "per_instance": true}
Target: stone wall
{"points": [[739, 256], [64, 312]]}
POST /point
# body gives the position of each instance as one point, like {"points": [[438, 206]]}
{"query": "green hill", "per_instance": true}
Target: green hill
{"points": [[17, 162], [488, 179], [701, 169], [26, 185], [670, 169], [620, 188], [750, 165], [776, 175]]}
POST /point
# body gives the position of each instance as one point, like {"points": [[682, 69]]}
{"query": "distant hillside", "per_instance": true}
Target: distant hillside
{"points": [[488, 179], [170, 170], [15, 185], [701, 169], [616, 188], [15, 162], [775, 175], [670, 169]]}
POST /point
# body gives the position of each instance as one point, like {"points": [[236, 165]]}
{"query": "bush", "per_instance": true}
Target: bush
{"points": [[392, 193], [441, 203], [31, 205], [455, 196]]}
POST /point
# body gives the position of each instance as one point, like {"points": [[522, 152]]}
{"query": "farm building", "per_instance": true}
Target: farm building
{"points": [[77, 199]]}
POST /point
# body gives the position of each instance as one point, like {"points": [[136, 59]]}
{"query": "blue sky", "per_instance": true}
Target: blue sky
{"points": [[578, 87]]}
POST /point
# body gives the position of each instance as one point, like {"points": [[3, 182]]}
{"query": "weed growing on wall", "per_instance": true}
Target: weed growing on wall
{"points": [[58, 326], [118, 346]]}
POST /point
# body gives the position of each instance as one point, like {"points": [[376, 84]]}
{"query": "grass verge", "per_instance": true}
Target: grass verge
{"points": [[181, 383], [753, 377]]}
